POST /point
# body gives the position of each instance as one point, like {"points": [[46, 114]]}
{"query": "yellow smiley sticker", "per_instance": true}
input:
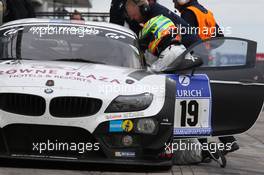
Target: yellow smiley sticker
{"points": [[127, 125]]}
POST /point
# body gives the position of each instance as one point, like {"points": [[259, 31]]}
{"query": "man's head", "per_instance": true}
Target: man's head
{"points": [[136, 9], [76, 15], [179, 3], [152, 1], [157, 33]]}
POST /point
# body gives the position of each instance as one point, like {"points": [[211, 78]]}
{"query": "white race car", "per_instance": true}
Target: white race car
{"points": [[78, 91]]}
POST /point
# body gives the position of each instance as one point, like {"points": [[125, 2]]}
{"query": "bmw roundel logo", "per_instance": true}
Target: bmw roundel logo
{"points": [[48, 91]]}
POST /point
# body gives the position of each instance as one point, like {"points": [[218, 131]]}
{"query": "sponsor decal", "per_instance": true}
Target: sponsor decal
{"points": [[116, 126], [184, 80], [133, 115], [127, 115], [113, 117], [115, 36], [165, 120], [127, 125], [192, 105], [57, 74], [166, 124], [12, 31], [260, 57], [192, 87], [125, 154], [191, 58], [120, 126]]}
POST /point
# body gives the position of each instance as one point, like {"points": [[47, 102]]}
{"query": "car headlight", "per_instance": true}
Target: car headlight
{"points": [[130, 103], [146, 126]]}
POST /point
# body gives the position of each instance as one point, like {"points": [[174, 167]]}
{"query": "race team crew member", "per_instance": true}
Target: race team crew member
{"points": [[199, 17], [118, 15]]}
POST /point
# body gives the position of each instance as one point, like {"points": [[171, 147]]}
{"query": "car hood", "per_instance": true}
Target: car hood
{"points": [[73, 76], [52, 79]]}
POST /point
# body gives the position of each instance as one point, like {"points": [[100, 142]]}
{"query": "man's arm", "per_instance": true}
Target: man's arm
{"points": [[30, 9], [117, 12], [189, 17]]}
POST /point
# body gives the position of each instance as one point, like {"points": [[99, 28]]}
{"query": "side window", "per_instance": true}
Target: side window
{"points": [[225, 52]]}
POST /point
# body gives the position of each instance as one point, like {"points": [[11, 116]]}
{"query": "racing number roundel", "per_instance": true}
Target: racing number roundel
{"points": [[192, 105], [127, 125]]}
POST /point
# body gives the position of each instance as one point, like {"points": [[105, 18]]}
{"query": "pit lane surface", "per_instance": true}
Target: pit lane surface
{"points": [[248, 160]]}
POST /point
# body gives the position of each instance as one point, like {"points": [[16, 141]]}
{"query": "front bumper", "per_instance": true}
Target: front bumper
{"points": [[45, 142], [17, 139]]}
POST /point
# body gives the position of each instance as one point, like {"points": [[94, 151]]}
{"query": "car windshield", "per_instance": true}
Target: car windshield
{"points": [[80, 43]]}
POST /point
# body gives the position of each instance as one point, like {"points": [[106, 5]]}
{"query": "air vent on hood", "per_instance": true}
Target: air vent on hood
{"points": [[22, 104], [70, 107]]}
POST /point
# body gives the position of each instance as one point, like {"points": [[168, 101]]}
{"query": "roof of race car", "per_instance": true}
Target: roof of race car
{"points": [[36, 21]]}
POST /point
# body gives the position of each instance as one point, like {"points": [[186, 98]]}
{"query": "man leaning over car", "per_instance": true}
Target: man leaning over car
{"points": [[143, 11]]}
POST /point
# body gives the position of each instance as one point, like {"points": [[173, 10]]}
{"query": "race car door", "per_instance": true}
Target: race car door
{"points": [[223, 97]]}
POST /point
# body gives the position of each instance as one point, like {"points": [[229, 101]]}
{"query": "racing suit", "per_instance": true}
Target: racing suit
{"points": [[158, 37]]}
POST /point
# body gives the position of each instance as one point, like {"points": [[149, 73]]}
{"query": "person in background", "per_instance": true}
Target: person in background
{"points": [[118, 16], [76, 16], [2, 10], [152, 2], [18, 9]]}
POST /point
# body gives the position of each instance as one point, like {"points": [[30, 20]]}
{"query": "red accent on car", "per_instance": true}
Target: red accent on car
{"points": [[260, 57]]}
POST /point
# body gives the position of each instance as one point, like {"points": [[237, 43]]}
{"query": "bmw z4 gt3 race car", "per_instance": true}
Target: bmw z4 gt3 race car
{"points": [[76, 91]]}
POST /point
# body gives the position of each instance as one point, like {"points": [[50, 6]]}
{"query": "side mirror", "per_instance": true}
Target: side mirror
{"points": [[186, 61]]}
